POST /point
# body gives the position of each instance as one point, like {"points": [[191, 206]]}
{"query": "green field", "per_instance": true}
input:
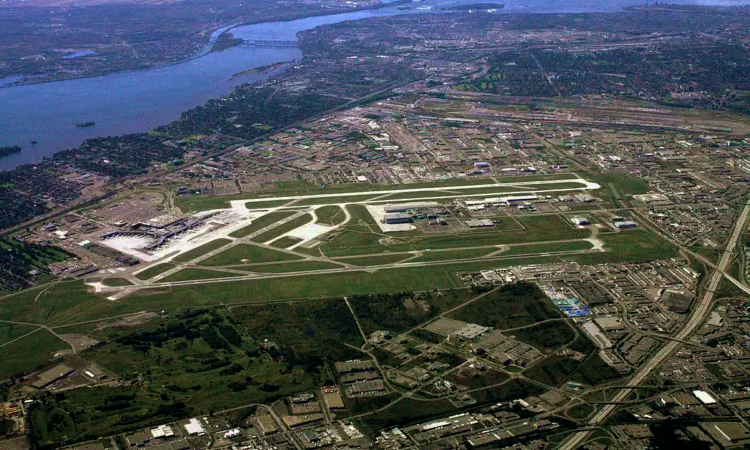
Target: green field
{"points": [[550, 247], [363, 239], [196, 274], [296, 266], [200, 251], [330, 215], [153, 271], [116, 282], [260, 223], [29, 352], [282, 229], [375, 260], [252, 253], [510, 306], [266, 204], [629, 245], [446, 255], [548, 335], [191, 364], [11, 331], [399, 312], [285, 242], [306, 329]]}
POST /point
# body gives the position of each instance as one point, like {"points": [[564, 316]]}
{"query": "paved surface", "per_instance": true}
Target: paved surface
{"points": [[698, 316]]}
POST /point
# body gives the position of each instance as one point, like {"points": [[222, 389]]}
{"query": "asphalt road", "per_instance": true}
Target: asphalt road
{"points": [[697, 318]]}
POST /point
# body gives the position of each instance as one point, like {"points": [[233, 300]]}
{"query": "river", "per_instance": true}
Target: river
{"points": [[136, 101]]}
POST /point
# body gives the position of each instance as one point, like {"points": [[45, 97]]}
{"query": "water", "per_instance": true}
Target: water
{"points": [[137, 101]]}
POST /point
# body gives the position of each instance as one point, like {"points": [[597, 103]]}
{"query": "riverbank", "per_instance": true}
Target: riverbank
{"points": [[214, 33]]}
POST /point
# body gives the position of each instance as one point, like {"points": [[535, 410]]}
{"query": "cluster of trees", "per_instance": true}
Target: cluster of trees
{"points": [[18, 260]]}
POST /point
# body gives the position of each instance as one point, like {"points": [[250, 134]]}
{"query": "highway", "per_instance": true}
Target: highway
{"points": [[698, 316]]}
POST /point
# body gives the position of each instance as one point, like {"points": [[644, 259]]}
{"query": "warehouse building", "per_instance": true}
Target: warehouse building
{"points": [[479, 223], [623, 224], [394, 218], [404, 207], [580, 221], [52, 376]]}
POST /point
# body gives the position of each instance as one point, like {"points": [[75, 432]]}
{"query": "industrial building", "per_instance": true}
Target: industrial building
{"points": [[53, 375], [480, 223], [580, 221], [394, 218], [623, 224], [404, 207]]}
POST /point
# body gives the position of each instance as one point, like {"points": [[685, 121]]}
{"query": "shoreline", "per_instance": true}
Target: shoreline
{"points": [[207, 48]]}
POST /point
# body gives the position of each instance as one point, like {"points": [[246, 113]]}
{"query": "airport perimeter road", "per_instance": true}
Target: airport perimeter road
{"points": [[699, 314]]}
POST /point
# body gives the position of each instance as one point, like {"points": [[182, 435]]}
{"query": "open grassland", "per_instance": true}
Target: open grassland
{"points": [[312, 328], [550, 247], [361, 191], [200, 251], [285, 242], [252, 253], [192, 363], [362, 238], [447, 255], [260, 223], [510, 306], [29, 352], [629, 245], [282, 229], [296, 266], [11, 331], [190, 274], [402, 311], [330, 215], [116, 282], [375, 260], [153, 271]]}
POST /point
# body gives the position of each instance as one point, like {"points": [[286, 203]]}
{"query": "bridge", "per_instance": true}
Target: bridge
{"points": [[260, 43]]}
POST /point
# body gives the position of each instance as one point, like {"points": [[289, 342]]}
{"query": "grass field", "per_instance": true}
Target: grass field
{"points": [[550, 247], [283, 228], [260, 223], [191, 364], [330, 215], [285, 242], [296, 266], [548, 335], [455, 254], [359, 239], [11, 331], [510, 306], [399, 312], [630, 245], [116, 282], [196, 274], [298, 327], [252, 253], [29, 352], [154, 271], [200, 251], [375, 260]]}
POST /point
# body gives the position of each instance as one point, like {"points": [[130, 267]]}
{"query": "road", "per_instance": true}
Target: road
{"points": [[698, 316]]}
